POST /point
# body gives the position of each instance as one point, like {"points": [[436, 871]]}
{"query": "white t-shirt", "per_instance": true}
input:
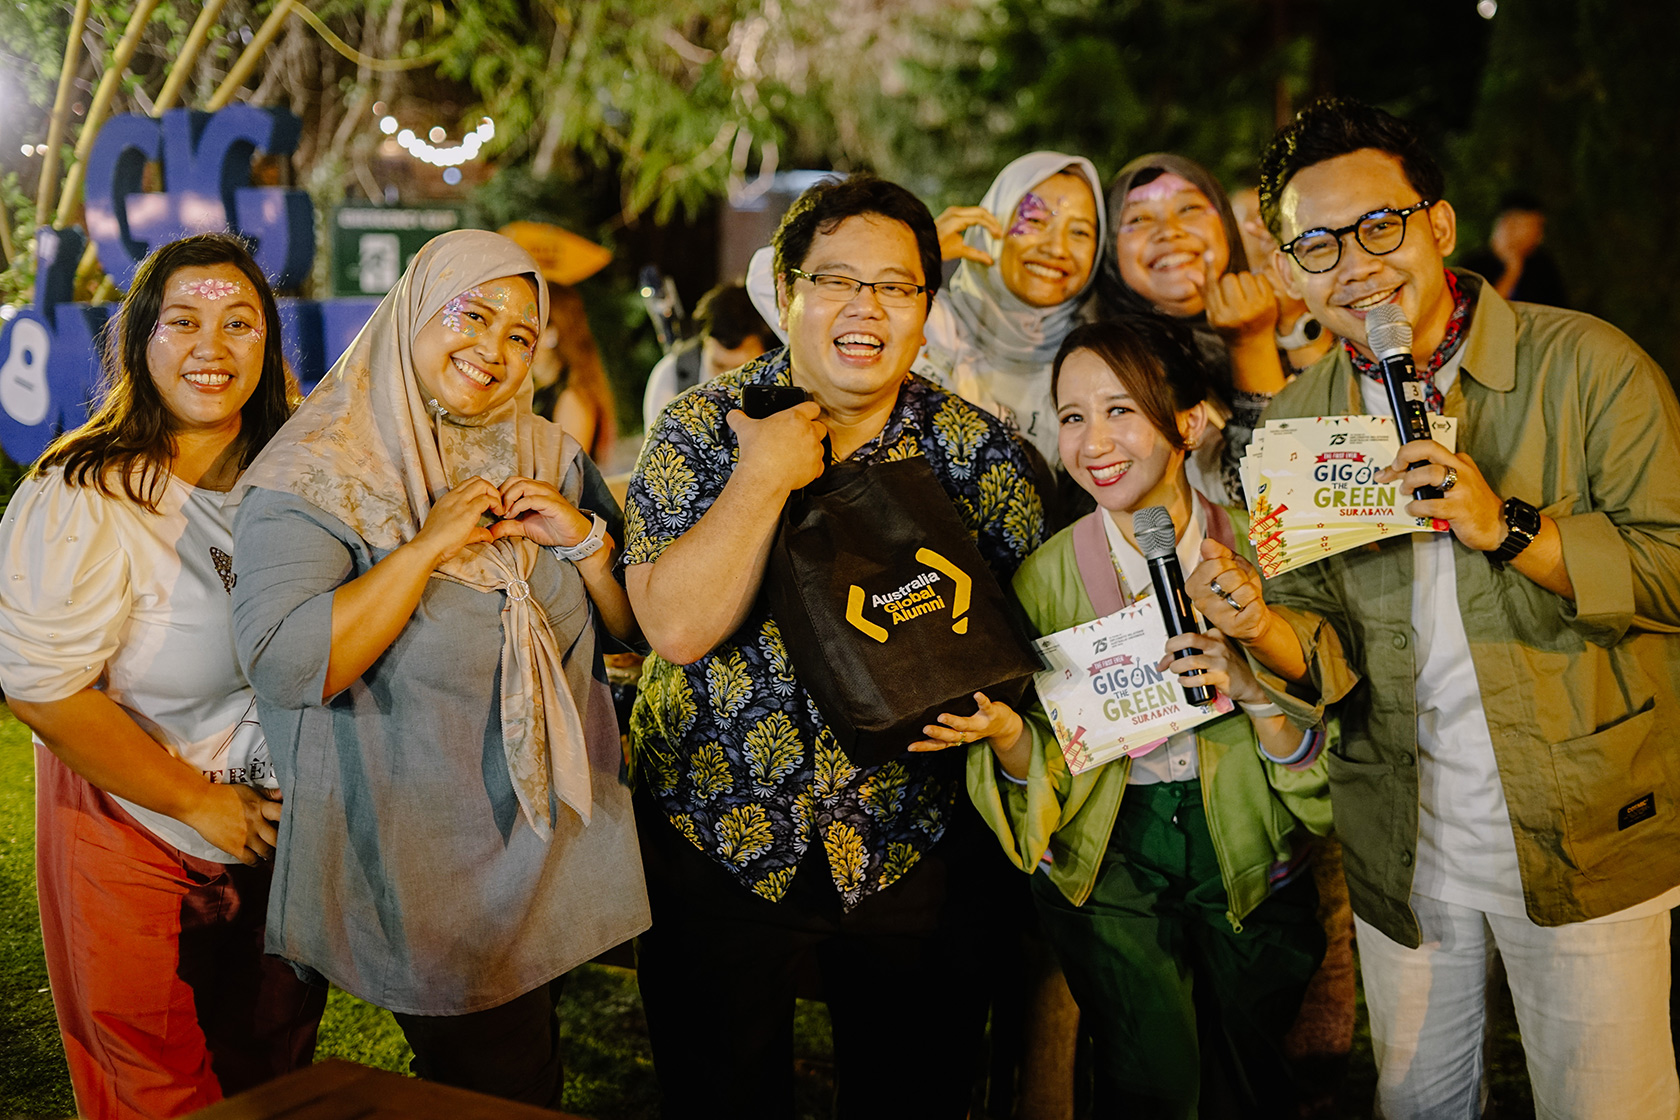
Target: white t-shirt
{"points": [[1466, 852], [95, 591]]}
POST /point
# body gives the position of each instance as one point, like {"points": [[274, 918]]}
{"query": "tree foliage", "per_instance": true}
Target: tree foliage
{"points": [[610, 111]]}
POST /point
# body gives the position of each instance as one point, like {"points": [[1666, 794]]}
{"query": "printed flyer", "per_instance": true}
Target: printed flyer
{"points": [[1311, 484], [1103, 694]]}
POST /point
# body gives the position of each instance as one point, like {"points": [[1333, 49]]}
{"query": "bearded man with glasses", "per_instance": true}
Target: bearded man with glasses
{"points": [[1509, 692], [768, 854]]}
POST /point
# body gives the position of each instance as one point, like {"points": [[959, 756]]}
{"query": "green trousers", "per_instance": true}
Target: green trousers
{"points": [[1186, 1016]]}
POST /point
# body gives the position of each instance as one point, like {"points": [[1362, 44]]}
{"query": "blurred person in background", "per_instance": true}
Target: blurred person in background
{"points": [[730, 332], [1515, 260], [568, 378]]}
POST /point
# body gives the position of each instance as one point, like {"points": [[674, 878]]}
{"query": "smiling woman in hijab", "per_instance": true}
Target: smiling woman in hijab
{"points": [[1028, 255], [417, 600], [1177, 251]]}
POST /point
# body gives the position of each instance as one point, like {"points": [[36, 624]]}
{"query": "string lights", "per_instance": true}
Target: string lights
{"points": [[429, 152]]}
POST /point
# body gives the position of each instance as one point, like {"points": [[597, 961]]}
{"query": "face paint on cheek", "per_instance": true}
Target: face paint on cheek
{"points": [[1162, 186], [455, 310], [1030, 209], [211, 289]]}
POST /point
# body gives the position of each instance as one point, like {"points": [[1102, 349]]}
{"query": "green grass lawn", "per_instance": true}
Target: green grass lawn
{"points": [[609, 1074]]}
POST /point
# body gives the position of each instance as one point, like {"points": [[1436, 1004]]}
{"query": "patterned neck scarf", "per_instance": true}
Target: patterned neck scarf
{"points": [[1456, 323]]}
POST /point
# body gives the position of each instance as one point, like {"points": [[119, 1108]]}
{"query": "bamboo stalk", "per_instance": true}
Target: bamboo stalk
{"points": [[181, 69], [6, 246], [101, 105], [252, 54], [60, 114]]}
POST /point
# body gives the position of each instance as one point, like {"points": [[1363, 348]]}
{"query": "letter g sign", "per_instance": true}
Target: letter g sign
{"points": [[207, 189]]}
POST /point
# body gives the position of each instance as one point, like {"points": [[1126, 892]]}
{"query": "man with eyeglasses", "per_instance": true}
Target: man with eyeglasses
{"points": [[1506, 780], [768, 854]]}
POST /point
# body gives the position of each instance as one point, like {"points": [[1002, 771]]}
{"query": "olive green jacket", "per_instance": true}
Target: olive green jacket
{"points": [[1259, 812], [1582, 698]]}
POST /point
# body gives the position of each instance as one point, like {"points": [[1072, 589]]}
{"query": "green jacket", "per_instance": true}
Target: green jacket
{"points": [[1583, 698], [1258, 811]]}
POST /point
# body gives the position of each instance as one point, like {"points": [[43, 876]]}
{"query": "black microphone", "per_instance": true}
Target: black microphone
{"points": [[1153, 528], [1390, 338]]}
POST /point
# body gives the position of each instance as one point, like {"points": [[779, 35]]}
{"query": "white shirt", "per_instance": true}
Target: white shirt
{"points": [[1174, 760], [95, 591]]}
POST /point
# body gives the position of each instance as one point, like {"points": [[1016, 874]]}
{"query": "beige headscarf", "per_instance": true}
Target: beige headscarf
{"points": [[366, 448]]}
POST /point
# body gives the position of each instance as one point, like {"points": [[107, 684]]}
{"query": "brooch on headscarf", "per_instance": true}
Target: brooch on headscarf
{"points": [[445, 416]]}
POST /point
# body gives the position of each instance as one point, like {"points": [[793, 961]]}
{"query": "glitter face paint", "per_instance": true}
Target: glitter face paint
{"points": [[1030, 209], [210, 288], [1162, 186], [455, 309]]}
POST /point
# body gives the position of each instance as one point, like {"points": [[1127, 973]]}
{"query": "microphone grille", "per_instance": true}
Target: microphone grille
{"points": [[1153, 529], [1387, 331]]}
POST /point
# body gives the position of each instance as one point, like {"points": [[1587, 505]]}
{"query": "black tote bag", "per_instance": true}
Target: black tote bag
{"points": [[888, 611]]}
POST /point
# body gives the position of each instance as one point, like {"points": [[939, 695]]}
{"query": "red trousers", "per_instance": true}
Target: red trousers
{"points": [[165, 999]]}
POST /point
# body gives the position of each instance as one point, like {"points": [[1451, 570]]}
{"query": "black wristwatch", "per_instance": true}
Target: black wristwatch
{"points": [[1523, 521]]}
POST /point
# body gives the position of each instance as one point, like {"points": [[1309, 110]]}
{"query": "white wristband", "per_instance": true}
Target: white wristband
{"points": [[585, 548], [1306, 330], [1266, 709]]}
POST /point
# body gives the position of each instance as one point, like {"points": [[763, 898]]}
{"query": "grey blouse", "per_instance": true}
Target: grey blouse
{"points": [[404, 872]]}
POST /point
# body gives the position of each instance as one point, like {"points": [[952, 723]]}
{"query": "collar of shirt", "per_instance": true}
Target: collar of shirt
{"points": [[1134, 569], [906, 416], [1487, 354], [1464, 304]]}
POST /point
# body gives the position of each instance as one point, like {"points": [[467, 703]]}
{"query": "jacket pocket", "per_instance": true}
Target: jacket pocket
{"points": [[1615, 792], [1362, 800]]}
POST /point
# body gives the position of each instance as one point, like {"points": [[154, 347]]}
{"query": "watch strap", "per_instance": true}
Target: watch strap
{"points": [[588, 546], [1523, 524], [1307, 329]]}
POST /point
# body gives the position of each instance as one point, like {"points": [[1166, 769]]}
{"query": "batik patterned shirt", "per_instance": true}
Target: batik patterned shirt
{"points": [[732, 747]]}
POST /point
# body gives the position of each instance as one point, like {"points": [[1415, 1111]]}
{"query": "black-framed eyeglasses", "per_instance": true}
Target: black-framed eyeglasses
{"points": [[841, 289], [1379, 233]]}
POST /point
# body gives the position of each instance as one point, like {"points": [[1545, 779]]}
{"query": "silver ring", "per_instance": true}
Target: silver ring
{"points": [[1213, 586], [1450, 481], [518, 591]]}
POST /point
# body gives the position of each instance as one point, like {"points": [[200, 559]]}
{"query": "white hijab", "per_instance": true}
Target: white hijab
{"points": [[1011, 335]]}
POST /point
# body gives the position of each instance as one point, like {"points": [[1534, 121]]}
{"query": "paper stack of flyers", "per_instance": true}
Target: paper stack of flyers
{"points": [[1312, 491], [1103, 694]]}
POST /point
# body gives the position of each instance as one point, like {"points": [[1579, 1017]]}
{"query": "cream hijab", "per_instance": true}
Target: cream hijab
{"points": [[369, 448]]}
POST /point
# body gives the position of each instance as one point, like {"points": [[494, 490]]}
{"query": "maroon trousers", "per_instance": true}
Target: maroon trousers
{"points": [[165, 999]]}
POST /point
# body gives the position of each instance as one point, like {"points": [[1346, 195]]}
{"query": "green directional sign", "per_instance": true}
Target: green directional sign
{"points": [[371, 245]]}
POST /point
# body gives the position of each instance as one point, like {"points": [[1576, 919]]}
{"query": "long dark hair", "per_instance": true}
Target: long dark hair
{"points": [[131, 435]]}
